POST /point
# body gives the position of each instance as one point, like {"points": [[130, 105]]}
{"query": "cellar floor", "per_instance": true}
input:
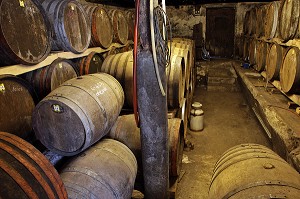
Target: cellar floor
{"points": [[228, 121]]}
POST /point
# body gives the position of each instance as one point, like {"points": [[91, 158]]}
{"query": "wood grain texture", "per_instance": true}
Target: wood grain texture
{"points": [[25, 36], [274, 60]]}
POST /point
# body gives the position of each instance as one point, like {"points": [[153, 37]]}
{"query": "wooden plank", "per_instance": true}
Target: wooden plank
{"points": [[21, 69], [293, 97]]}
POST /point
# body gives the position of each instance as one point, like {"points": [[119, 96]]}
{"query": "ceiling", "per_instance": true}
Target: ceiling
{"points": [[130, 3]]}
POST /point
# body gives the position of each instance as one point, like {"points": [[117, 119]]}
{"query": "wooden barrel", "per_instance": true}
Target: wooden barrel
{"points": [[101, 27], [289, 19], [78, 113], [121, 67], [185, 54], [274, 60], [120, 26], [175, 91], [253, 171], [46, 79], [130, 15], [290, 71], [18, 100], [25, 172], [261, 55], [113, 50], [252, 51], [71, 30], [25, 35], [260, 20], [106, 170], [252, 21], [183, 115], [272, 19], [246, 23], [126, 131], [90, 64], [246, 48]]}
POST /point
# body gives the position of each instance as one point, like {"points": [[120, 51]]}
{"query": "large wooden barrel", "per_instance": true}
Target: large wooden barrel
{"points": [[106, 170], [272, 19], [101, 27], [25, 172], [130, 15], [120, 26], [246, 49], [253, 51], [70, 28], [25, 35], [90, 64], [246, 23], [289, 19], [260, 20], [252, 21], [18, 100], [126, 131], [253, 171], [274, 60], [261, 55], [121, 67], [175, 91], [46, 79], [290, 71], [78, 113], [186, 71]]}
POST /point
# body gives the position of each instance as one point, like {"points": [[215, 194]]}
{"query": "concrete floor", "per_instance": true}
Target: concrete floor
{"points": [[228, 122]]}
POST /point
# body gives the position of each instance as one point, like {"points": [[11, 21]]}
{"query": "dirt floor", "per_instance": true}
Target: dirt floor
{"points": [[228, 122]]}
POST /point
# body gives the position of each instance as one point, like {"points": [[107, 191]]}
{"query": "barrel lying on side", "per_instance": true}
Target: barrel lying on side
{"points": [[289, 19], [261, 52], [126, 131], [120, 26], [90, 64], [274, 59], [78, 113], [71, 30], [17, 101], [46, 79], [290, 71], [106, 170], [25, 33], [253, 171], [272, 20], [25, 172], [101, 27]]}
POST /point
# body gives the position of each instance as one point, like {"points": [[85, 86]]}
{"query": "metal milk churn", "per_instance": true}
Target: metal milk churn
{"points": [[196, 117]]}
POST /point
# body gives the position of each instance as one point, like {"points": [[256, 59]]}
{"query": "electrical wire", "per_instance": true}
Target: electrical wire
{"points": [[136, 34]]}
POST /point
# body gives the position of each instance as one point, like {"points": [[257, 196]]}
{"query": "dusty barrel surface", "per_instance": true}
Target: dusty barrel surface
{"points": [[46, 79], [101, 27], [261, 55], [25, 172], [252, 21], [260, 21], [106, 170], [126, 131], [25, 33], [90, 64], [272, 19], [289, 19], [186, 71], [253, 51], [78, 113], [121, 67], [18, 100], [290, 71], [71, 30], [175, 82], [253, 171], [246, 48], [130, 15], [274, 60], [120, 26], [246, 23]]}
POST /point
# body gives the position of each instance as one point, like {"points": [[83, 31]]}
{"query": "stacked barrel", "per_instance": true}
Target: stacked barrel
{"points": [[271, 42]]}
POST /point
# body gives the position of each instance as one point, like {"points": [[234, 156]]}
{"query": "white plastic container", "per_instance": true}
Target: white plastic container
{"points": [[196, 117]]}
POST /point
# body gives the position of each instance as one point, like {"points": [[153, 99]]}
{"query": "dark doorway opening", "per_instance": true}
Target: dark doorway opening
{"points": [[220, 26]]}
